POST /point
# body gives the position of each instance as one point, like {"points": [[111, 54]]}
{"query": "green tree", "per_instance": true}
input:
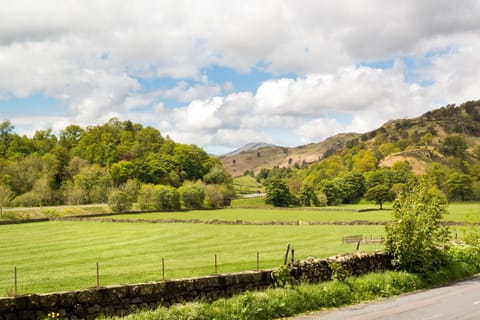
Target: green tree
{"points": [[454, 146], [192, 195], [353, 186], [333, 191], [415, 235], [277, 193], [146, 197], [166, 198], [119, 201], [217, 175], [460, 187], [380, 194], [307, 197], [6, 196], [214, 196]]}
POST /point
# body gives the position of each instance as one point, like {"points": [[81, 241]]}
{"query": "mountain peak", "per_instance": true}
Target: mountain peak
{"points": [[249, 147]]}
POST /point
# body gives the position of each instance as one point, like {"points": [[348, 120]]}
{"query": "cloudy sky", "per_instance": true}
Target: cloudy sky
{"points": [[220, 74]]}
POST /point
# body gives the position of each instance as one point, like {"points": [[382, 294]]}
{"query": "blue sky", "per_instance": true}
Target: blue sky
{"points": [[221, 74]]}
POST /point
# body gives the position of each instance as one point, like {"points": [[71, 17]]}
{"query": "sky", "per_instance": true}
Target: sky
{"points": [[221, 74]]}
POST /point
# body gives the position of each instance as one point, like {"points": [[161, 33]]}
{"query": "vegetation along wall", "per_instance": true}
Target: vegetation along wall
{"points": [[123, 299]]}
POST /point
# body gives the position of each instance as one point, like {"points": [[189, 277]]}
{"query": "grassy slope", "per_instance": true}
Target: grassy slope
{"points": [[54, 256]]}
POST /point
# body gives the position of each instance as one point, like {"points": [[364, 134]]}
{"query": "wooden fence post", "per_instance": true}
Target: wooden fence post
{"points": [[215, 264], [258, 261], [163, 268], [15, 281], [98, 276]]}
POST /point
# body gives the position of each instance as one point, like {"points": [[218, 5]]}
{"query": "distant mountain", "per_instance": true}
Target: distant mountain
{"points": [[249, 147], [255, 156], [420, 141]]}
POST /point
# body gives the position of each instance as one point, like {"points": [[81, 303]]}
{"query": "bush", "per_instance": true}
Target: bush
{"points": [[414, 235], [192, 196], [119, 201], [166, 198]]}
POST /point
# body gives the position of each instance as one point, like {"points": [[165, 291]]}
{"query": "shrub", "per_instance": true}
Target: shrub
{"points": [[414, 235], [119, 201]]}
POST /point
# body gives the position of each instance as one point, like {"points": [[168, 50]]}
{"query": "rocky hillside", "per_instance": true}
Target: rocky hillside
{"points": [[270, 156], [420, 141]]}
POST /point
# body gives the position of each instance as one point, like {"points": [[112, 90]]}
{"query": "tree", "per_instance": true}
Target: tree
{"points": [[353, 186], [119, 201], [192, 195], [277, 193], [454, 146], [307, 197], [380, 194], [415, 235], [6, 196], [166, 198], [214, 196], [333, 191], [460, 187], [146, 197]]}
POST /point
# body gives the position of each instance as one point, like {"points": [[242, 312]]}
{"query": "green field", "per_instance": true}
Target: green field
{"points": [[461, 211], [53, 256], [266, 214]]}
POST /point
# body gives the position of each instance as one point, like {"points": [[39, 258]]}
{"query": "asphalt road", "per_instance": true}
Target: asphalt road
{"points": [[459, 301]]}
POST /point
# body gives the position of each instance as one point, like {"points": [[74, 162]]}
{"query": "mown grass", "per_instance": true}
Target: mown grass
{"points": [[247, 184], [53, 256], [463, 211], [286, 302], [266, 214]]}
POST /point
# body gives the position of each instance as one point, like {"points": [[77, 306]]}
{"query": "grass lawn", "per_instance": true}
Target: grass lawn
{"points": [[255, 214], [53, 256]]}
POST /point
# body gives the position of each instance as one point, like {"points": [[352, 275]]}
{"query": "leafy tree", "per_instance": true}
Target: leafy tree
{"points": [[364, 161], [166, 198], [380, 194], [131, 188], [217, 175], [460, 187], [454, 146], [353, 186], [380, 176], [192, 195], [277, 193], [414, 235], [146, 197], [307, 197], [119, 201], [333, 191], [214, 196], [6, 196]]}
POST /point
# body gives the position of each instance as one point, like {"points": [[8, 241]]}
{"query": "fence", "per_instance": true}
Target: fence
{"points": [[123, 299]]}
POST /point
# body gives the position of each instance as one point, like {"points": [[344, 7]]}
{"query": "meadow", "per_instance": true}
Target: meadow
{"points": [[57, 256], [60, 255], [457, 211]]}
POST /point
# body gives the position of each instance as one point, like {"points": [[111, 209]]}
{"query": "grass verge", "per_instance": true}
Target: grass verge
{"points": [[286, 302]]}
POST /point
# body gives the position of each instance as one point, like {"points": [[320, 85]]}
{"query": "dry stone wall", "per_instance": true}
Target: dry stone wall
{"points": [[124, 299]]}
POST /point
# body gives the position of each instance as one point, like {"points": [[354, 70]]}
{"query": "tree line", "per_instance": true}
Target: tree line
{"points": [[86, 165], [446, 142]]}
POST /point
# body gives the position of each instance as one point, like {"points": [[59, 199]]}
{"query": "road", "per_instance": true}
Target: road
{"points": [[459, 301]]}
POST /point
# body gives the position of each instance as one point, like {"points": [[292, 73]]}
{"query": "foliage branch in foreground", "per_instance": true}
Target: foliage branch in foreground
{"points": [[415, 235]]}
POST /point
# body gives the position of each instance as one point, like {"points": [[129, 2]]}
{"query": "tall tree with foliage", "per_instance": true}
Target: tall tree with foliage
{"points": [[380, 194], [6, 196], [415, 235], [307, 196], [277, 193]]}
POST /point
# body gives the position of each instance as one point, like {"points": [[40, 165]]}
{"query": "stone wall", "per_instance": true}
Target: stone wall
{"points": [[124, 299]]}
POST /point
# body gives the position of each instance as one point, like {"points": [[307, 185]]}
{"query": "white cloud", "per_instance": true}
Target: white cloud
{"points": [[91, 55]]}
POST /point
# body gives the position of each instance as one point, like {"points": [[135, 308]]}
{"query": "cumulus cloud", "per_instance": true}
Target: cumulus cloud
{"points": [[92, 56]]}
